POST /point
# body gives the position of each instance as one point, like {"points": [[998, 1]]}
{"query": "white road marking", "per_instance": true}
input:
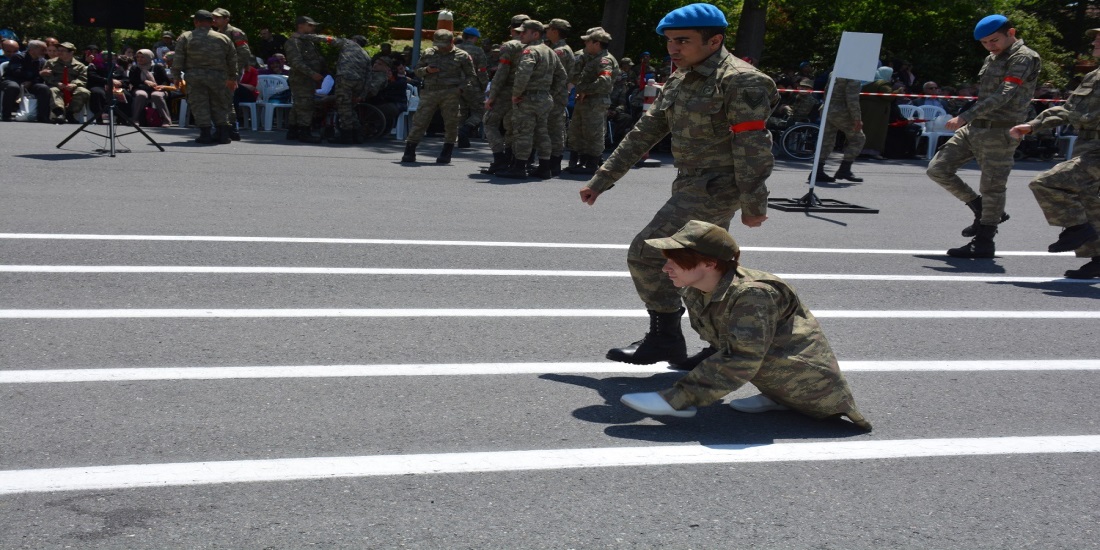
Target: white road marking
{"points": [[477, 369], [276, 270], [498, 313], [131, 476], [407, 242]]}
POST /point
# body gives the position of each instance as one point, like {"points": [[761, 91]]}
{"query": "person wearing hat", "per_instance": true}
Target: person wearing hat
{"points": [[539, 78], [447, 73], [210, 62], [68, 81], [245, 59], [472, 104], [762, 333], [557, 30], [716, 108], [354, 79], [306, 72], [593, 82], [1005, 89], [844, 117], [166, 44], [1069, 193], [498, 104]]}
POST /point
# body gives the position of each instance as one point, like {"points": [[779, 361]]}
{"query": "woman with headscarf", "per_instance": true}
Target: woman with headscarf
{"points": [[149, 84], [876, 112]]}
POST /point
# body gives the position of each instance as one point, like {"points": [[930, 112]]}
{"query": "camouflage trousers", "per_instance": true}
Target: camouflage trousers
{"points": [[80, 98], [588, 127], [206, 98], [992, 148], [445, 101], [472, 106], [555, 126], [837, 122], [346, 91], [303, 101], [501, 113], [710, 195], [1069, 193], [529, 125]]}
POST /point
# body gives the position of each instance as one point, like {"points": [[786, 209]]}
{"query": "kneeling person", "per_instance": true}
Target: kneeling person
{"points": [[762, 332]]}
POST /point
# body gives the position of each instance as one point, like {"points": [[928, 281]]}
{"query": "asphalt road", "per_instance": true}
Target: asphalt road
{"points": [[493, 449]]}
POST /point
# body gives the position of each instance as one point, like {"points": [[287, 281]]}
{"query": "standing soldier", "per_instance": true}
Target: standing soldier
{"points": [[1007, 83], [447, 72], [540, 77], [498, 106], [843, 116], [306, 66], [67, 79], [1069, 193], [354, 79], [473, 101], [556, 32], [593, 80], [210, 62], [244, 60], [716, 107]]}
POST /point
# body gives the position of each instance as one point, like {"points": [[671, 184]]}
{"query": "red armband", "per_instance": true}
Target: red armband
{"points": [[605, 73], [1014, 80], [241, 43], [505, 62], [748, 126]]}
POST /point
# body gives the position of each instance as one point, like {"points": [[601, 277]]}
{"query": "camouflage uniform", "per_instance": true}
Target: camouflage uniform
{"points": [[764, 336], [593, 81], [442, 91], [77, 74], [473, 101], [244, 61], [539, 78], [304, 59], [353, 77], [843, 116], [716, 113], [556, 122], [500, 93], [1005, 89], [1069, 193], [208, 59]]}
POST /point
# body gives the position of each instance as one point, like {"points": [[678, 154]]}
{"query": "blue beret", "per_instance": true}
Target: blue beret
{"points": [[692, 16], [989, 25], [471, 31]]}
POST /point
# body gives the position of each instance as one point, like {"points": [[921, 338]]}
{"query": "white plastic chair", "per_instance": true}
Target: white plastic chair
{"points": [[1070, 140], [908, 111], [183, 114], [412, 95], [269, 85], [933, 129]]}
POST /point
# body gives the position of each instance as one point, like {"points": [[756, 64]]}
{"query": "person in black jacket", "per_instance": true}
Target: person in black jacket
{"points": [[149, 82], [22, 75]]}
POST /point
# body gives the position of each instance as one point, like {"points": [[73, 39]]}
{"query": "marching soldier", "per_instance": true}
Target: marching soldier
{"points": [[844, 116], [447, 72], [244, 60], [593, 81], [473, 101], [306, 66], [210, 62]]}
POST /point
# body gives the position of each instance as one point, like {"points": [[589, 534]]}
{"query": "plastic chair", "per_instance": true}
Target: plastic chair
{"points": [[1070, 140], [909, 111], [933, 129], [269, 85], [412, 94], [250, 108]]}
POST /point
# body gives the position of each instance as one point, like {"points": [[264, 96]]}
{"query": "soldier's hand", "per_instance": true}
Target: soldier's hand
{"points": [[488, 104], [752, 221], [589, 195], [859, 126], [231, 84], [517, 100], [1019, 131], [954, 124], [317, 77]]}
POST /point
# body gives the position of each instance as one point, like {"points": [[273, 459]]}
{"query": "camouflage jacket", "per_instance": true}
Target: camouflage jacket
{"points": [[539, 71], [766, 336], [1006, 85], [456, 69], [565, 56], [352, 63], [240, 44], [716, 113], [303, 57], [1082, 109], [481, 62], [205, 49], [597, 75], [845, 98], [803, 106], [502, 81], [78, 73]]}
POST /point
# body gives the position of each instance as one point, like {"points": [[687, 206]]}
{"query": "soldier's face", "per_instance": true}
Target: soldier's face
{"points": [[592, 47], [999, 41], [688, 49], [1096, 46], [220, 22], [681, 277]]}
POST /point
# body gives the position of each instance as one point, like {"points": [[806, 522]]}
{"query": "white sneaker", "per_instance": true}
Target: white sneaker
{"points": [[653, 403], [757, 404]]}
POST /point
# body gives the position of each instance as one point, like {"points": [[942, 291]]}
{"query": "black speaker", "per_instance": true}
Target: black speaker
{"points": [[110, 14]]}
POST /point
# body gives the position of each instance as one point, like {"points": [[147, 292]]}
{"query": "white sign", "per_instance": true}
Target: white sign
{"points": [[857, 57]]}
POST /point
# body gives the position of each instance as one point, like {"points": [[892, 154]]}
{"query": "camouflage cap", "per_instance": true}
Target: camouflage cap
{"points": [[531, 25], [705, 238], [68, 46], [1091, 33], [560, 24], [203, 15], [518, 20], [806, 82], [597, 34], [303, 20], [626, 62], [442, 37], [221, 12]]}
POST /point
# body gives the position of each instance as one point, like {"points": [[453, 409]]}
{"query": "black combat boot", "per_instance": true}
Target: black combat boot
{"points": [[845, 172], [292, 133], [464, 136], [663, 342], [223, 137], [516, 170], [1090, 270], [544, 171], [205, 136], [585, 165], [305, 135], [234, 133], [981, 246], [574, 159], [445, 155], [822, 177], [500, 161], [691, 362], [1071, 238], [975, 206], [555, 166], [410, 152]]}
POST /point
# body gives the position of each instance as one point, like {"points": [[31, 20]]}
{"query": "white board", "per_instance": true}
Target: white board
{"points": [[857, 57]]}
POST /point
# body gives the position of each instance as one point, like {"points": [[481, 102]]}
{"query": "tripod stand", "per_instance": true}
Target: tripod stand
{"points": [[112, 113]]}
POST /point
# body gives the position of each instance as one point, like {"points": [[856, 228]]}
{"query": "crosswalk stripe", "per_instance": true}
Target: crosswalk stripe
{"points": [[130, 476], [477, 369]]}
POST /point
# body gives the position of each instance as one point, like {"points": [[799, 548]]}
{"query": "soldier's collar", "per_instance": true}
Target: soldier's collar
{"points": [[711, 64]]}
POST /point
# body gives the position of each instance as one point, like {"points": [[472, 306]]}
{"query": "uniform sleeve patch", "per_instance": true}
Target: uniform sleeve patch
{"points": [[753, 97]]}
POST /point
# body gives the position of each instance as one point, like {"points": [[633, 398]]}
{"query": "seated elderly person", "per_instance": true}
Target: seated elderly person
{"points": [[8, 49], [68, 81], [276, 64], [24, 75], [149, 83]]}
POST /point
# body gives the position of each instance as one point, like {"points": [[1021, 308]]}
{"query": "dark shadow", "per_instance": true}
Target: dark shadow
{"points": [[963, 265], [824, 219], [1063, 288], [59, 156]]}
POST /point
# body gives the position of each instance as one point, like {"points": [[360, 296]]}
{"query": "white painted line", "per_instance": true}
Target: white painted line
{"points": [[132, 476], [275, 270], [406, 242], [478, 369], [498, 313]]}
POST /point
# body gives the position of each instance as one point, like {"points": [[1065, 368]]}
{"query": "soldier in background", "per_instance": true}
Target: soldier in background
{"points": [[556, 33], [844, 116], [354, 79], [594, 81], [498, 106], [447, 72], [68, 81], [473, 101], [539, 78], [306, 72], [1069, 193], [716, 107], [210, 62], [244, 60]]}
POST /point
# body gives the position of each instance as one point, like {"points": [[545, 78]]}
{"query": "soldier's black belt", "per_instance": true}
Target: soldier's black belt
{"points": [[991, 124], [1088, 134]]}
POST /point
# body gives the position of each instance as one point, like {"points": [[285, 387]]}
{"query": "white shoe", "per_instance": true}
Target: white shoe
{"points": [[653, 403], [757, 404]]}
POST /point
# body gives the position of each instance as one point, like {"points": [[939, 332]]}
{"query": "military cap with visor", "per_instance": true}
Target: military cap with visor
{"points": [[1091, 33], [705, 238], [531, 25], [442, 37], [303, 20], [221, 12], [692, 16], [560, 24], [203, 15], [68, 46], [518, 20], [597, 34]]}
